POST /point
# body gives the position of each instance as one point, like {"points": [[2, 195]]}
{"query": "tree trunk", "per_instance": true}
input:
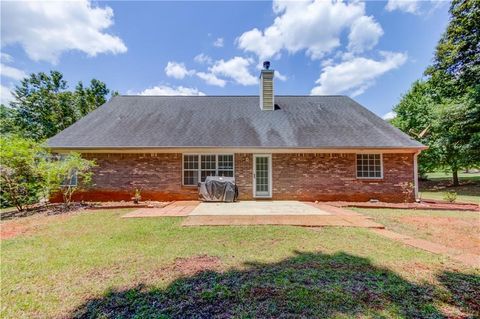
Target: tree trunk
{"points": [[455, 178]]}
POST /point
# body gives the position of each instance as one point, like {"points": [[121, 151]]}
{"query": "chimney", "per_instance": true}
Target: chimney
{"points": [[266, 88]]}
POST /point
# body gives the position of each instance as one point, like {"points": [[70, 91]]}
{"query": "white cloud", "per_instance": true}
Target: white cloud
{"points": [[280, 76], [5, 57], [203, 59], [389, 116], [218, 43], [410, 6], [356, 75], [46, 29], [169, 90], [236, 68], [364, 34], [211, 79], [177, 70], [11, 72], [5, 95], [314, 26]]}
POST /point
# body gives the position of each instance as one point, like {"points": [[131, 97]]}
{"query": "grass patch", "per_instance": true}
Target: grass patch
{"points": [[439, 183], [97, 265], [454, 229]]}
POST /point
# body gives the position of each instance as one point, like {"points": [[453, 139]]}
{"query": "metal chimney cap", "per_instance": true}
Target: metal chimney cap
{"points": [[266, 65]]}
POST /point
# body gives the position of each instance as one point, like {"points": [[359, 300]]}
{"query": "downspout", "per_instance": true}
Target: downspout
{"points": [[415, 174]]}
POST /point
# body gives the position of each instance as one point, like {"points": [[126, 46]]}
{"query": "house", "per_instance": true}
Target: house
{"points": [[277, 147]]}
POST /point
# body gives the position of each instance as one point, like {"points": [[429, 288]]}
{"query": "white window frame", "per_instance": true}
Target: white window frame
{"points": [[199, 155], [381, 165]]}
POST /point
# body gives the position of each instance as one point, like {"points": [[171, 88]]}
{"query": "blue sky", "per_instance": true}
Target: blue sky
{"points": [[371, 51]]}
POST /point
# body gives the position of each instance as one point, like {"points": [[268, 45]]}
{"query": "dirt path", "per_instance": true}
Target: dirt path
{"points": [[466, 258]]}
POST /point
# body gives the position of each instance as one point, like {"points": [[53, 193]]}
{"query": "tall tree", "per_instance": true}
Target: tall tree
{"points": [[43, 105], [445, 108], [457, 56]]}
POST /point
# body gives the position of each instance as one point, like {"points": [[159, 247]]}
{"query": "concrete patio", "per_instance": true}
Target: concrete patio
{"points": [[258, 213]]}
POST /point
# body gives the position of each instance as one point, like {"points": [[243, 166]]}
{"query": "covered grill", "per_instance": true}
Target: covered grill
{"points": [[218, 189]]}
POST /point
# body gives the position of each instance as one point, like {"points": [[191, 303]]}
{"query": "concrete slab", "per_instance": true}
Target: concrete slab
{"points": [[293, 220], [257, 208], [175, 209]]}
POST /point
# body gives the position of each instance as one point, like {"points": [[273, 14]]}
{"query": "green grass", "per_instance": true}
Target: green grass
{"points": [[439, 183], [97, 265], [448, 176]]}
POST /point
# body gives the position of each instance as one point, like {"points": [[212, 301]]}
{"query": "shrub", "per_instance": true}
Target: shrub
{"points": [[20, 182], [450, 196]]}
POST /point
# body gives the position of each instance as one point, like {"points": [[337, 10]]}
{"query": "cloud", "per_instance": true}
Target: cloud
{"points": [[211, 79], [356, 75], [177, 70], [7, 58], [11, 72], [389, 116], [410, 6], [280, 76], [5, 95], [169, 90], [218, 43], [314, 26], [203, 59], [236, 69], [364, 34], [47, 29]]}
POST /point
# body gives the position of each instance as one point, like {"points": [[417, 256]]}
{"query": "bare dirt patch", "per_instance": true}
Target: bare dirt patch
{"points": [[17, 226], [194, 265], [449, 231]]}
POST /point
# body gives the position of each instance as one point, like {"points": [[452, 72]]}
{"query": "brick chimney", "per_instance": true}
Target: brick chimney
{"points": [[266, 88]]}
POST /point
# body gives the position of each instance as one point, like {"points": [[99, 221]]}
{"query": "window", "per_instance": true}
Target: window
{"points": [[369, 166], [197, 167], [71, 179]]}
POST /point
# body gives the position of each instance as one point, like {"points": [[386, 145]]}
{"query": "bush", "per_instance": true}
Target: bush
{"points": [[450, 196], [20, 182]]}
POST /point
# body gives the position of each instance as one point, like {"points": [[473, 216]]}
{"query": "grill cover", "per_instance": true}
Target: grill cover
{"points": [[218, 189]]}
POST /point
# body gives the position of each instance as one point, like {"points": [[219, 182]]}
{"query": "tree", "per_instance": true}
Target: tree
{"points": [[20, 182], [457, 56], [66, 174], [7, 120], [43, 106], [443, 111]]}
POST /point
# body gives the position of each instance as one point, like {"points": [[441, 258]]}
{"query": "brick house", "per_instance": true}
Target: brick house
{"points": [[276, 147]]}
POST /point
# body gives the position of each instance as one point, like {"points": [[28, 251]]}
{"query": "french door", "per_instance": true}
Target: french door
{"points": [[262, 176]]}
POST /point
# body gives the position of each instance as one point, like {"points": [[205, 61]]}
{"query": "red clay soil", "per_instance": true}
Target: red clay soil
{"points": [[449, 231], [193, 265], [28, 225], [433, 205]]}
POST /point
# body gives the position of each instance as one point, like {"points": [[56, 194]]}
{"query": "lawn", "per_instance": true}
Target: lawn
{"points": [[97, 265], [455, 229], [437, 184]]}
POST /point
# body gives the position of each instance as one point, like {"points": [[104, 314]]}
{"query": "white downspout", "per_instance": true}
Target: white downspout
{"points": [[415, 174]]}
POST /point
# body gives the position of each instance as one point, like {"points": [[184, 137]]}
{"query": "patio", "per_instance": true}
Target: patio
{"points": [[258, 213]]}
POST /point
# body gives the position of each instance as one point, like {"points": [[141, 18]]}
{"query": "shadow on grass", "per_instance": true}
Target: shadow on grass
{"points": [[306, 285], [464, 290]]}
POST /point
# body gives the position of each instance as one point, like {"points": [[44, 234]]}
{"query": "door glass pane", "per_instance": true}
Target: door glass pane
{"points": [[261, 171]]}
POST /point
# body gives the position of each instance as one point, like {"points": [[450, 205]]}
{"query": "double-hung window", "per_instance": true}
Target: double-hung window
{"points": [[196, 167], [369, 166]]}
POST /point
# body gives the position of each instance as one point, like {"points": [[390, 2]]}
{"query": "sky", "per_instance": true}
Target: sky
{"points": [[371, 51]]}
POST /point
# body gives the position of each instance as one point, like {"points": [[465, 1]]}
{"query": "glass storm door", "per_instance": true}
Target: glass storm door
{"points": [[262, 176]]}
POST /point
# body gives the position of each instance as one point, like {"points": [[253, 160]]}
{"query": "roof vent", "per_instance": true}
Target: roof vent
{"points": [[266, 88]]}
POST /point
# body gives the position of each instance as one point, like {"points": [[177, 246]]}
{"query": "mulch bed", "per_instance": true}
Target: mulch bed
{"points": [[430, 204], [49, 209]]}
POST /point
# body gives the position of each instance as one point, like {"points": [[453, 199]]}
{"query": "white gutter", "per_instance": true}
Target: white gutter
{"points": [[415, 173]]}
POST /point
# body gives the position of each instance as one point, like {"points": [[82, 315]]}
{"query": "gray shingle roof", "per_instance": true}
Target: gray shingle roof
{"points": [[231, 121]]}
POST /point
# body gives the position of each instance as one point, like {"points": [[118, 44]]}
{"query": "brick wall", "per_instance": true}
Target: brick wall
{"points": [[295, 176]]}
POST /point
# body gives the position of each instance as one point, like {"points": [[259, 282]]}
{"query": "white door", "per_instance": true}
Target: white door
{"points": [[262, 176]]}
